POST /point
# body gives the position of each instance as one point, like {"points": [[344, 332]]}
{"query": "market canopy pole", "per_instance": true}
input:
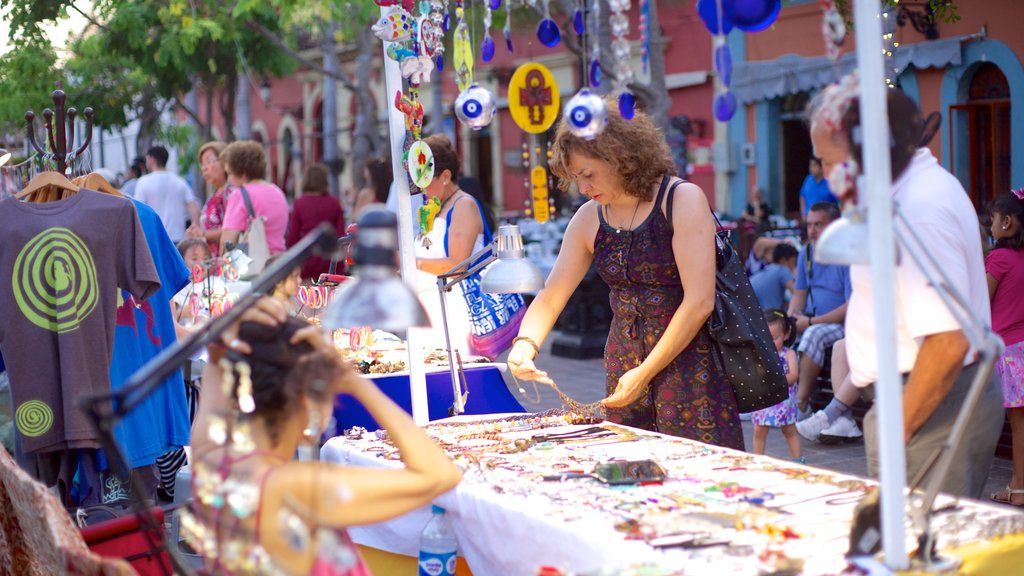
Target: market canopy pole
{"points": [[406, 250], [876, 187]]}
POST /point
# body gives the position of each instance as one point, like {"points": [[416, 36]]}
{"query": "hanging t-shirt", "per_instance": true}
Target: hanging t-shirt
{"points": [[60, 265], [144, 329]]}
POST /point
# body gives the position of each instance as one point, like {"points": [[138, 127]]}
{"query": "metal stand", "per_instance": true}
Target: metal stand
{"points": [[445, 282]]}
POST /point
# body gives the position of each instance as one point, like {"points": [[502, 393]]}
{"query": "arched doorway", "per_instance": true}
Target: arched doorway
{"points": [[983, 126]]}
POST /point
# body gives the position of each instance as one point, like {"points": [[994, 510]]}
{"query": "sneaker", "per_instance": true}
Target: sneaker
{"points": [[813, 426], [844, 429]]}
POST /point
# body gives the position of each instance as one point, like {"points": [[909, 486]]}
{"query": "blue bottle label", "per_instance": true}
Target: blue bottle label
{"points": [[433, 564]]}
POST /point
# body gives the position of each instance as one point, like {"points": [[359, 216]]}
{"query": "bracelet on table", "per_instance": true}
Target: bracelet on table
{"points": [[529, 341]]}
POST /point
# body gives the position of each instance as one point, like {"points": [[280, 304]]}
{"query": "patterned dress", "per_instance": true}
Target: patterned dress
{"points": [[690, 397], [784, 412]]}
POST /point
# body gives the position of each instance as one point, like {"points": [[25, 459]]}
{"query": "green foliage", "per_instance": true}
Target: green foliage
{"points": [[27, 77], [186, 140], [944, 11]]}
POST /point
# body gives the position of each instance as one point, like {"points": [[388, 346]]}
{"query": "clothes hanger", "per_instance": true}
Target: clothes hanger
{"points": [[46, 187], [96, 181]]}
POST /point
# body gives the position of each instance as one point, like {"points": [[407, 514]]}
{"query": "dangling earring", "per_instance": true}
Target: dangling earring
{"points": [[246, 402], [312, 431]]}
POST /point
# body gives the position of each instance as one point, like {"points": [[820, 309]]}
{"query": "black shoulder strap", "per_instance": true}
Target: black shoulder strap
{"points": [[668, 201], [668, 207]]}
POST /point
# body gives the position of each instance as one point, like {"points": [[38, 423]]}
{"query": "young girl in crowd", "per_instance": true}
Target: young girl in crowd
{"points": [[1004, 268], [783, 414]]}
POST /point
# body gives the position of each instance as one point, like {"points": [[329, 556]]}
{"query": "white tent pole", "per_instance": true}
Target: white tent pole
{"points": [[877, 191], [407, 252]]}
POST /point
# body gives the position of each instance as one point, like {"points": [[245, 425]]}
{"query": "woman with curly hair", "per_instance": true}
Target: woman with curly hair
{"points": [[651, 237], [246, 165]]}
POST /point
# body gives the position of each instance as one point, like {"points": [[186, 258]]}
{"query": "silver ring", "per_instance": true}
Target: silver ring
{"points": [[235, 343]]}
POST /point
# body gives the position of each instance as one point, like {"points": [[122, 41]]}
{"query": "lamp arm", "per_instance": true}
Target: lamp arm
{"points": [[466, 268], [989, 346]]}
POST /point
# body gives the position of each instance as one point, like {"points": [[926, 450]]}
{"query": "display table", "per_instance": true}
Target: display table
{"points": [[488, 394], [730, 512]]}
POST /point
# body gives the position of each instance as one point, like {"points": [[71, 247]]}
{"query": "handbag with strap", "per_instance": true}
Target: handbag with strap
{"points": [[494, 318], [746, 352], [254, 240]]}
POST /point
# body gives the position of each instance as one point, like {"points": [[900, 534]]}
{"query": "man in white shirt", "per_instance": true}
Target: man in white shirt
{"points": [[167, 193], [933, 353]]}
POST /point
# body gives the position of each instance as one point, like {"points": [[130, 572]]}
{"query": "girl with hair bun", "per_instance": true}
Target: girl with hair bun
{"points": [[256, 509]]}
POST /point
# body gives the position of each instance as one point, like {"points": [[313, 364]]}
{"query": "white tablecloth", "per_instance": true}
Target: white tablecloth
{"points": [[513, 533]]}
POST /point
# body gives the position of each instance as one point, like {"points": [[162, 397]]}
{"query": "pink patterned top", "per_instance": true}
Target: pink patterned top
{"points": [[213, 215]]}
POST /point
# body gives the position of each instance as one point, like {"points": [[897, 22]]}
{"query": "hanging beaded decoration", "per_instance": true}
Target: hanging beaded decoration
{"points": [[719, 24], [619, 24], [487, 45], [833, 29], [507, 30], [889, 44], [594, 70], [645, 34], [547, 29], [586, 113]]}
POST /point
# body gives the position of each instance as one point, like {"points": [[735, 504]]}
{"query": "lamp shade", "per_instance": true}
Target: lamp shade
{"points": [[845, 241], [511, 272], [376, 297]]}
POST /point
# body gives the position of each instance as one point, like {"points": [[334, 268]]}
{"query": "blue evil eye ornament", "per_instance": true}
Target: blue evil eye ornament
{"points": [[725, 106], [587, 114], [708, 10], [475, 107], [723, 63], [753, 15], [548, 33], [627, 105]]}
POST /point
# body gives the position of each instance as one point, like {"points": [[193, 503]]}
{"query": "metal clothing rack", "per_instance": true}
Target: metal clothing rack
{"points": [[61, 138]]}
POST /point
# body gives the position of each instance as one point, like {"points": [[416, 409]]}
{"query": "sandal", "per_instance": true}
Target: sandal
{"points": [[1005, 496]]}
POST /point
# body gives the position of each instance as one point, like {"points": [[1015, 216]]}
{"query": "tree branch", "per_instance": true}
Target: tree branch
{"points": [[274, 39], [88, 17], [191, 113]]}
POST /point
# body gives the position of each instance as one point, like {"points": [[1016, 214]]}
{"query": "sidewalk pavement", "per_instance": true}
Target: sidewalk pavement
{"points": [[584, 381]]}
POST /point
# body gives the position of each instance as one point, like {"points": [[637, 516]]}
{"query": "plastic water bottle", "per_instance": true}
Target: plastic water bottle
{"points": [[438, 546]]}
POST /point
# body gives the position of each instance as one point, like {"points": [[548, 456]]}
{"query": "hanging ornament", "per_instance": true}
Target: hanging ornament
{"points": [[594, 71], [547, 29], [587, 114], [708, 10], [539, 179], [577, 22], [619, 25], [645, 34], [475, 107], [487, 46], [420, 163], [533, 98], [723, 63], [431, 37], [407, 5], [395, 27], [753, 15], [507, 30], [426, 214], [463, 46], [833, 29], [725, 106]]}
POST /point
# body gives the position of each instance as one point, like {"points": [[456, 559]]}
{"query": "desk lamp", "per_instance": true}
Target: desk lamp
{"points": [[376, 296], [846, 242], [505, 271]]}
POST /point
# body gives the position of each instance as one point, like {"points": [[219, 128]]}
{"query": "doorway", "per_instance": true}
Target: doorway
{"points": [[795, 152], [979, 135]]}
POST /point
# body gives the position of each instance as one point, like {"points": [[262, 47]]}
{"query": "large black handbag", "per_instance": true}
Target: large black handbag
{"points": [[746, 352]]}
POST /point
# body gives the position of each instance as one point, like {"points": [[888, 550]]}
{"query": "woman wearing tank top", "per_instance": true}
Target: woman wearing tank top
{"points": [[651, 237]]}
